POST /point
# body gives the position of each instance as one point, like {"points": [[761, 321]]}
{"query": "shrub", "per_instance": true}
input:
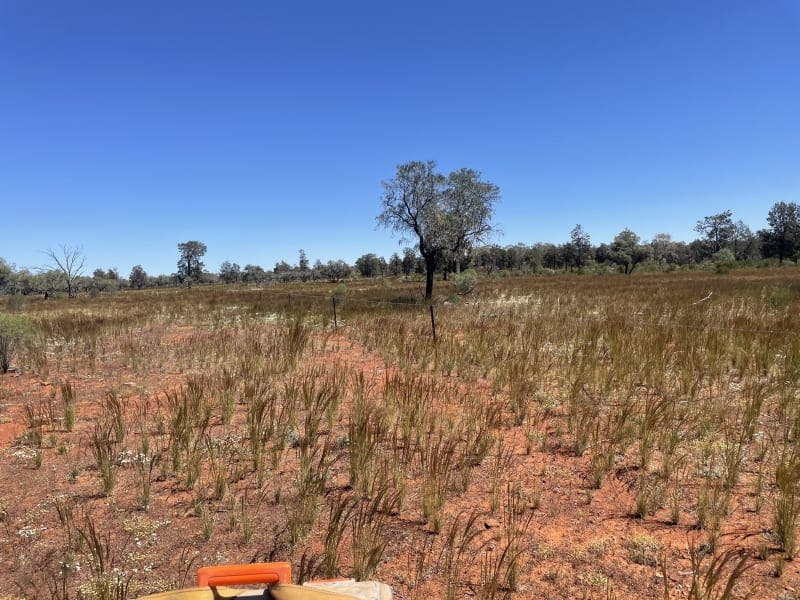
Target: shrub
{"points": [[780, 297], [15, 302], [465, 282], [14, 331], [644, 550], [723, 261]]}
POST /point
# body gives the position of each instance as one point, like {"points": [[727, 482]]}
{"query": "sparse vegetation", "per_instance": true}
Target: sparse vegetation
{"points": [[15, 330], [240, 417]]}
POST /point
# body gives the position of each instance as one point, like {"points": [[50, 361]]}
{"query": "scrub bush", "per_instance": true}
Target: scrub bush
{"points": [[14, 331]]}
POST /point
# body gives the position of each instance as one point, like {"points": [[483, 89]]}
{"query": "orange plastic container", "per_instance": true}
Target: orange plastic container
{"points": [[277, 572]]}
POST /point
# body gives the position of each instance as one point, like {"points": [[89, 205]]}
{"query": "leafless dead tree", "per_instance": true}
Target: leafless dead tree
{"points": [[70, 261]]}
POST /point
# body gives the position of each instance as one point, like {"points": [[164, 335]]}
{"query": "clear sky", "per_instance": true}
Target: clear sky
{"points": [[263, 127]]}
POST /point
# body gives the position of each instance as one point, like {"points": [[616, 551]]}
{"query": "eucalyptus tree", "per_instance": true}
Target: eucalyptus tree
{"points": [[230, 272], [443, 214], [138, 277], [395, 266], [745, 245], [369, 265], [336, 270], [628, 251], [190, 267], [718, 230], [580, 245], [661, 245], [552, 257], [469, 207], [409, 261], [254, 274], [784, 229]]}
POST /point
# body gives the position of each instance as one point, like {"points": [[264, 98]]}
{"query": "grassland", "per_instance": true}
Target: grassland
{"points": [[566, 436]]}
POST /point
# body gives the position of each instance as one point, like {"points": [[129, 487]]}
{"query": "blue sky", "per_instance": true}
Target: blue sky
{"points": [[262, 127]]}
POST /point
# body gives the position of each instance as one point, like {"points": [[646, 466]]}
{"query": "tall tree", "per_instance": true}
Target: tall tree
{"points": [[302, 263], [336, 270], [282, 267], [551, 256], [662, 245], [190, 267], [419, 202], [581, 245], [744, 244], [138, 278], [627, 251], [784, 228], [368, 265], [469, 206], [69, 261], [230, 272], [395, 265], [409, 261], [718, 230]]}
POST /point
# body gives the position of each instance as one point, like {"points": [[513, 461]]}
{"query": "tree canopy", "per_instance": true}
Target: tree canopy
{"points": [[718, 230], [445, 215], [784, 232], [138, 277], [190, 267], [627, 250]]}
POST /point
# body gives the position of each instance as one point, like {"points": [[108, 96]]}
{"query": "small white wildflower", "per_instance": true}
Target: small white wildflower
{"points": [[29, 531], [125, 457]]}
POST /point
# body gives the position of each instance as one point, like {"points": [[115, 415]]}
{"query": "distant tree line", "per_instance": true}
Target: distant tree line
{"points": [[723, 242]]}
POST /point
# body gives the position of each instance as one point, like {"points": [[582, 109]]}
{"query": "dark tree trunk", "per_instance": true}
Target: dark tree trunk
{"points": [[428, 284], [430, 267]]}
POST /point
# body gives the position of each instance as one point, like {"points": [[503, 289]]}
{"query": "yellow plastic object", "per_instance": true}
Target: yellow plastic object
{"points": [[279, 591], [277, 577], [200, 593]]}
